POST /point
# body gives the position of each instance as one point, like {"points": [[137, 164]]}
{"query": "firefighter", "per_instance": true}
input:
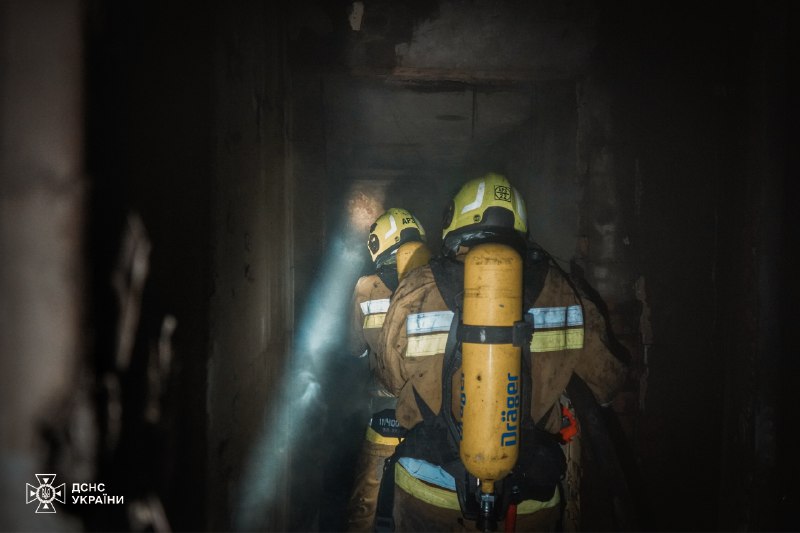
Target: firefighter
{"points": [[431, 488], [396, 245]]}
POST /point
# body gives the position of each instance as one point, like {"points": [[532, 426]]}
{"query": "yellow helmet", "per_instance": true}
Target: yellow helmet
{"points": [[485, 209], [393, 228]]}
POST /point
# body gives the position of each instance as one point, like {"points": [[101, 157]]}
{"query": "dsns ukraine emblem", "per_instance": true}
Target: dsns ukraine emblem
{"points": [[46, 493]]}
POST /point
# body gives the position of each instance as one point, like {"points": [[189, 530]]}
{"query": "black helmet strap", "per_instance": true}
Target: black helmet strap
{"points": [[388, 274]]}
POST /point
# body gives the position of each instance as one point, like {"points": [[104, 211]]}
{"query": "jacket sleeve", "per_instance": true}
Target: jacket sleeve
{"points": [[393, 339], [602, 371], [356, 343]]}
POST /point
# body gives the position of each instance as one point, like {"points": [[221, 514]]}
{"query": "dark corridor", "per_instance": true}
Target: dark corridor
{"points": [[184, 201]]}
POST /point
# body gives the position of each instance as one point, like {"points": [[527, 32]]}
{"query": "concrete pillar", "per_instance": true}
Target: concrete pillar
{"points": [[41, 217]]}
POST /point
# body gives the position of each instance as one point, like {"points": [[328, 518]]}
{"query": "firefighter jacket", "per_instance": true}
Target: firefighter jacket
{"points": [[569, 336], [369, 305]]}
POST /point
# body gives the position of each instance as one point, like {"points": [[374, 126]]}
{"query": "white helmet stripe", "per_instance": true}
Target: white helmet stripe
{"points": [[392, 229], [521, 207], [475, 204]]}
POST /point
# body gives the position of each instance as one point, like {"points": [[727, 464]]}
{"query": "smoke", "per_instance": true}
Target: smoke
{"points": [[305, 394]]}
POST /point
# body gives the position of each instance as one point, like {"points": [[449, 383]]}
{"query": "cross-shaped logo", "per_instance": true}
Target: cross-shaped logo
{"points": [[501, 192], [46, 493]]}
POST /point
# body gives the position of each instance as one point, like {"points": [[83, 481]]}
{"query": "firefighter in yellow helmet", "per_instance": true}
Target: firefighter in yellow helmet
{"points": [[396, 246], [419, 359]]}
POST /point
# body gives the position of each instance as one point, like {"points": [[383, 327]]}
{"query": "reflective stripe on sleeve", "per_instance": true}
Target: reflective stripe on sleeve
{"points": [[427, 333], [374, 321], [418, 323], [556, 317], [374, 313], [556, 340], [375, 306], [557, 328], [424, 345]]}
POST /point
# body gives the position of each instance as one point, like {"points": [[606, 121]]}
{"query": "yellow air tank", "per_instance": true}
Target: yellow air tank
{"points": [[491, 363], [411, 255]]}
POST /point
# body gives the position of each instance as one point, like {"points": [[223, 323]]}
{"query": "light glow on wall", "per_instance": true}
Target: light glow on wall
{"points": [[318, 338]]}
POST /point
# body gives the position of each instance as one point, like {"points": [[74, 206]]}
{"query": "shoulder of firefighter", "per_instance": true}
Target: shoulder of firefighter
{"points": [[570, 336], [369, 304]]}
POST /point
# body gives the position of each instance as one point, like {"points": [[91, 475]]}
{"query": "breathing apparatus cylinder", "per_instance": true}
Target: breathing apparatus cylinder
{"points": [[490, 381], [411, 255]]}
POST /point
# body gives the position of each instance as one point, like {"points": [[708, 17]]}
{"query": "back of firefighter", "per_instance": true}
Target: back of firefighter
{"points": [[569, 337], [391, 236]]}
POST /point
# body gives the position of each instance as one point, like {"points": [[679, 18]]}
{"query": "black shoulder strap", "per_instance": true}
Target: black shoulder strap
{"points": [[384, 508], [537, 265], [452, 361], [449, 276]]}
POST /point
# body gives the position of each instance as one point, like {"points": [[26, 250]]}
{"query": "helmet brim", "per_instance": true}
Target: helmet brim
{"points": [[472, 236]]}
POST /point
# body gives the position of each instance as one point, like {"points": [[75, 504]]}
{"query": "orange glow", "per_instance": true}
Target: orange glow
{"points": [[365, 204]]}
